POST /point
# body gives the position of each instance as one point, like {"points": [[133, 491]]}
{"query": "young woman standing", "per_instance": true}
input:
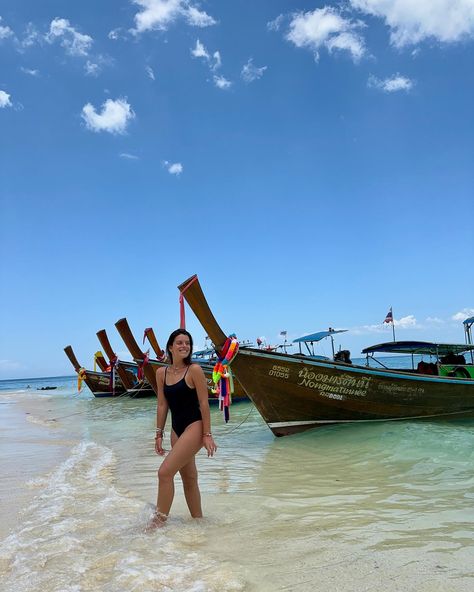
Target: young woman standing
{"points": [[182, 389]]}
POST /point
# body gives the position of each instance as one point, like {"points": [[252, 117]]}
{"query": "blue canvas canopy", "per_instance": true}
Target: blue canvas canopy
{"points": [[419, 347], [317, 336], [469, 321], [203, 352]]}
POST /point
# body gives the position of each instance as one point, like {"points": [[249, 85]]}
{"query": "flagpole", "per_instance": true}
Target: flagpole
{"points": [[393, 325]]}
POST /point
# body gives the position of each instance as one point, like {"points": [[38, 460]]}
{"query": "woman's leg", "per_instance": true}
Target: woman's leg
{"points": [[189, 475], [182, 453]]}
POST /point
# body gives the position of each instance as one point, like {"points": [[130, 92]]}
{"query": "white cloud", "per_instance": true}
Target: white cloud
{"points": [[114, 117], [200, 51], [5, 100], [412, 21], [275, 24], [250, 72], [434, 320], [160, 14], [128, 156], [197, 18], [75, 43], [29, 71], [325, 27], [174, 168], [115, 34], [464, 314], [214, 63], [32, 36], [91, 69], [222, 82], [5, 32], [217, 60], [149, 72], [406, 322], [394, 84]]}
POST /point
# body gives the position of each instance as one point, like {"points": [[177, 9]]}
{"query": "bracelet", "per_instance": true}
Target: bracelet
{"points": [[160, 430], [207, 434]]}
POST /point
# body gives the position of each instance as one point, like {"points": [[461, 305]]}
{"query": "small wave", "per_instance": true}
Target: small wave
{"points": [[81, 533]]}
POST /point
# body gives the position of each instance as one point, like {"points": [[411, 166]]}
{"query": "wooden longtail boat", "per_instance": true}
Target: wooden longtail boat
{"points": [[148, 366], [294, 394], [99, 383], [126, 370]]}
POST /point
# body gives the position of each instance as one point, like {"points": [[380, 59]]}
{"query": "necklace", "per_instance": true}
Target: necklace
{"points": [[176, 370]]}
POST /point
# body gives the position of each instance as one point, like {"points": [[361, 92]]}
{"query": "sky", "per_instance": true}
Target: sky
{"points": [[311, 161]]}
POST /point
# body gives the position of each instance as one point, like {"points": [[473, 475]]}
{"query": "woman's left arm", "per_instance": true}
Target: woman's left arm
{"points": [[200, 384]]}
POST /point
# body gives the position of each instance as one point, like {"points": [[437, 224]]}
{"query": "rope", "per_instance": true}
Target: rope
{"points": [[87, 410], [241, 423]]}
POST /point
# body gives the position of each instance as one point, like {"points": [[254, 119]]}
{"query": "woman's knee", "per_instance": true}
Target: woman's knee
{"points": [[165, 474]]}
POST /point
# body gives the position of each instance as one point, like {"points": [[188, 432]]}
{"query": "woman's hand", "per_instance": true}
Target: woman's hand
{"points": [[209, 444], [159, 445]]}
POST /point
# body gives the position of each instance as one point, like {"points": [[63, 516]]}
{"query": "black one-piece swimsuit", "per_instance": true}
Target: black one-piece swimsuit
{"points": [[183, 403]]}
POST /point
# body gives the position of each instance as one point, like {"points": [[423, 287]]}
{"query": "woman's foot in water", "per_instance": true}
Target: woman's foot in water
{"points": [[158, 520]]}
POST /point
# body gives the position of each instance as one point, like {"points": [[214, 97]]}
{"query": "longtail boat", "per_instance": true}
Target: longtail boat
{"points": [[294, 393], [126, 370], [101, 384], [148, 366]]}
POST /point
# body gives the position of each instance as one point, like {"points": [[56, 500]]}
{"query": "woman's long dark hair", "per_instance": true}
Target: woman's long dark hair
{"points": [[172, 337]]}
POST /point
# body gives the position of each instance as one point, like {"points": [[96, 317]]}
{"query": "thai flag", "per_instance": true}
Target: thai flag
{"points": [[389, 317], [283, 333]]}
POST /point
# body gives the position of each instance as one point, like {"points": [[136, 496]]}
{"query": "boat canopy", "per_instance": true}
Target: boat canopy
{"points": [[469, 321], [419, 347], [202, 353], [317, 336]]}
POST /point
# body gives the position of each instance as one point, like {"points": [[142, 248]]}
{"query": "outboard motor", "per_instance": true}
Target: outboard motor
{"points": [[343, 355]]}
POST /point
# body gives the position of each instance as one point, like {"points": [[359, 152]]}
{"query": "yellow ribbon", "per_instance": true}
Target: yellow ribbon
{"points": [[81, 375], [98, 354]]}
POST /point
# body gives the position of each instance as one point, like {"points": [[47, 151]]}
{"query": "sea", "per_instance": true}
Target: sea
{"points": [[382, 506]]}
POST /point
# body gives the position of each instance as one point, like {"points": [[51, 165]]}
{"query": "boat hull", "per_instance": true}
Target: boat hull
{"points": [[295, 395], [100, 385]]}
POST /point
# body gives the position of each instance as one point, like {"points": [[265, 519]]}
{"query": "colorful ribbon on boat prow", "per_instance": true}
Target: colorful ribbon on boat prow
{"points": [[141, 367], [81, 375], [111, 368], [222, 374], [97, 355]]}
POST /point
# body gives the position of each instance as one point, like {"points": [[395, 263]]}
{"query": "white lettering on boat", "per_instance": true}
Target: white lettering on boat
{"points": [[279, 372], [334, 385], [334, 396], [393, 388]]}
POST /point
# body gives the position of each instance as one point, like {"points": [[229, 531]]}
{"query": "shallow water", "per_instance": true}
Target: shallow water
{"points": [[342, 508]]}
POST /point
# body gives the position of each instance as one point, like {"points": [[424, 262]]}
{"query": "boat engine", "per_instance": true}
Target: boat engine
{"points": [[343, 355]]}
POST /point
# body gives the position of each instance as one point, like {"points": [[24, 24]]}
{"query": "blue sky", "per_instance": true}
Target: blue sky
{"points": [[311, 161]]}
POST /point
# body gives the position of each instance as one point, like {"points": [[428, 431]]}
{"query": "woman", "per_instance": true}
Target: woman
{"points": [[182, 388]]}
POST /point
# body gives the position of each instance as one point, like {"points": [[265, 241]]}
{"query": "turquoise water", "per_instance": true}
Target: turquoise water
{"points": [[384, 506]]}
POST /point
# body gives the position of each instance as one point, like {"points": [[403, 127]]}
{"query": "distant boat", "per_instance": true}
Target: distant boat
{"points": [[127, 371], [46, 388], [101, 384], [150, 365], [294, 394]]}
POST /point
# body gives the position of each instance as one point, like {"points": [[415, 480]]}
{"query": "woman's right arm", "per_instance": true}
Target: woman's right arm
{"points": [[161, 412]]}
